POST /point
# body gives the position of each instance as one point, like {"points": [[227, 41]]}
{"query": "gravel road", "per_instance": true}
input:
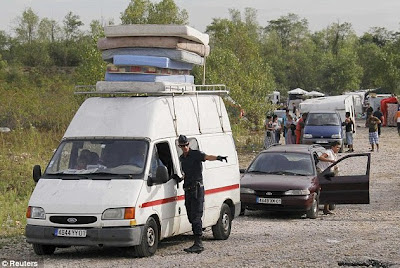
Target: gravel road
{"points": [[356, 235]]}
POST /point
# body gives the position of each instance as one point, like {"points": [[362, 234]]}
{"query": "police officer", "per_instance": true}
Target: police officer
{"points": [[191, 163]]}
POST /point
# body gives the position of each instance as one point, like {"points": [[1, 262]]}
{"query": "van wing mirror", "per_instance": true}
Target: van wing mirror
{"points": [[37, 173], [161, 177]]}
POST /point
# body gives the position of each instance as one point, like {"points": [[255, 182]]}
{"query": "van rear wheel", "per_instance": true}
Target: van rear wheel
{"points": [[149, 242], [222, 229], [40, 249]]}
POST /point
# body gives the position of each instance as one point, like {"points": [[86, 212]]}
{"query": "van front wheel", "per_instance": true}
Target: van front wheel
{"points": [[222, 229], [43, 249], [149, 242]]}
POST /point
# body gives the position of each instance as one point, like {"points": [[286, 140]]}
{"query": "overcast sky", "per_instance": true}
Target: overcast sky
{"points": [[362, 14]]}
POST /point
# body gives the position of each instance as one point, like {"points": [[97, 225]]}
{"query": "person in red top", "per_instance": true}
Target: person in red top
{"points": [[300, 127], [397, 119]]}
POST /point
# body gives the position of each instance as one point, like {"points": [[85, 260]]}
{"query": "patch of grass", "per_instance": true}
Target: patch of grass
{"points": [[20, 150], [247, 141]]}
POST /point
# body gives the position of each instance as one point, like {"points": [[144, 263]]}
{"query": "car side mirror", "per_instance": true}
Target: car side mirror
{"points": [[242, 170], [160, 178], [37, 173]]}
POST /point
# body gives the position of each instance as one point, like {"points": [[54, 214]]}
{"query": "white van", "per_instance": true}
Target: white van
{"points": [[109, 182], [340, 104]]}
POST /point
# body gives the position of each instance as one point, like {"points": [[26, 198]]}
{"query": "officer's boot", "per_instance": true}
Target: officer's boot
{"points": [[197, 246]]}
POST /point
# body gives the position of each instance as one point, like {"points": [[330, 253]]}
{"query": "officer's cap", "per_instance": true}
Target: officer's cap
{"points": [[183, 139]]}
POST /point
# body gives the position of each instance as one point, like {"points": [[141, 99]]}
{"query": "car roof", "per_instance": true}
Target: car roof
{"points": [[294, 148]]}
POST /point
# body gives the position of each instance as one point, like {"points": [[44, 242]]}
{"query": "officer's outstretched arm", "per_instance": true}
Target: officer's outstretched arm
{"points": [[219, 158]]}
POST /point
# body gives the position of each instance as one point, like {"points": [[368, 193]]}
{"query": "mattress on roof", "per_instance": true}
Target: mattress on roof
{"points": [[142, 87], [183, 31], [149, 78], [160, 62], [173, 54], [154, 42]]}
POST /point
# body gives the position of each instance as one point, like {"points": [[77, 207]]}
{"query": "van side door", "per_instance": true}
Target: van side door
{"points": [[346, 181], [164, 194]]}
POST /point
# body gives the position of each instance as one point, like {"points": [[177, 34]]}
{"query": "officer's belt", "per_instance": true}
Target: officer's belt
{"points": [[193, 186]]}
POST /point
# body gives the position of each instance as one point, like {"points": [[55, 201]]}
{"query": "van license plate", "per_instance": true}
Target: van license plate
{"points": [[322, 141], [70, 232], [274, 201]]}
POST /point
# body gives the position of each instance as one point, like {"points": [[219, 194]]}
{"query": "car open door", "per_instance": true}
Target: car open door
{"points": [[346, 181]]}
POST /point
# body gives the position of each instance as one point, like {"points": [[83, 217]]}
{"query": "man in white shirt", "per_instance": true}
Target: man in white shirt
{"points": [[326, 159]]}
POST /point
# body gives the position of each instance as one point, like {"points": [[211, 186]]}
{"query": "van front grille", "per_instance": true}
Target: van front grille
{"points": [[73, 219]]}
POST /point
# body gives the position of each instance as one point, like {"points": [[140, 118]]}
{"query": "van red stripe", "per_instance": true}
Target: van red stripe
{"points": [[182, 197]]}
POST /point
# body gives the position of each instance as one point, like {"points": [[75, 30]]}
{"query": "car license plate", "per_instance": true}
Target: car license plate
{"points": [[274, 201], [322, 141], [70, 232]]}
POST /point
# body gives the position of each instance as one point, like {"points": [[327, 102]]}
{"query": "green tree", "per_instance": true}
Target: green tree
{"points": [[71, 26], [235, 60], [27, 25], [92, 66], [291, 30], [144, 11], [48, 31]]}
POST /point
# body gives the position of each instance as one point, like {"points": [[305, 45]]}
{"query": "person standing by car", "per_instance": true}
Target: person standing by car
{"points": [[326, 159], [269, 139], [191, 163], [372, 124], [378, 114], [290, 128], [276, 125], [300, 128], [349, 124]]}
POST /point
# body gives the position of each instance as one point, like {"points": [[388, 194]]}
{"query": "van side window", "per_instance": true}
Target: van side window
{"points": [[161, 157]]}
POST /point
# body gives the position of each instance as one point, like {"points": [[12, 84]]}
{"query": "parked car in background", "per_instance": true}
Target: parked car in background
{"points": [[285, 178], [324, 127]]}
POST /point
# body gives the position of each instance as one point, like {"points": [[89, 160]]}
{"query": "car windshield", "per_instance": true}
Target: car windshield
{"points": [[282, 163], [322, 119], [99, 157]]}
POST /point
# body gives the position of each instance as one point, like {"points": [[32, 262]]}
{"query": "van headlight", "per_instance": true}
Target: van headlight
{"points": [[35, 213], [336, 136], [246, 191], [118, 213], [307, 136], [297, 192]]}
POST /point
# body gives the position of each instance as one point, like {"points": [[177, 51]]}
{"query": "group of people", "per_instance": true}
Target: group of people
{"points": [[290, 127]]}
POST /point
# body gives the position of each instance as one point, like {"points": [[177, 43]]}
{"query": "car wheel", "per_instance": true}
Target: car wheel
{"points": [[312, 213], [149, 241], [332, 206], [222, 229], [43, 249]]}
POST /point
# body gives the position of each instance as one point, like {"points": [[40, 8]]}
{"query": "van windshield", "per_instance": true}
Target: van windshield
{"points": [[322, 119], [99, 157]]}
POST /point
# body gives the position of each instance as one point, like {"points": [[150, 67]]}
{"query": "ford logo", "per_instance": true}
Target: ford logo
{"points": [[72, 220], [268, 193]]}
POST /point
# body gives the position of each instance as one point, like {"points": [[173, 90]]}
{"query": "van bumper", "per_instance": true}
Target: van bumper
{"points": [[111, 237]]}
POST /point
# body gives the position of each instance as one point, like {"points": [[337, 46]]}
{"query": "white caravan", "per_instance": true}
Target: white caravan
{"points": [[340, 104], [110, 183]]}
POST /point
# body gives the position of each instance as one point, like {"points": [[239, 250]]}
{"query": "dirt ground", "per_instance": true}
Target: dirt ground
{"points": [[356, 235]]}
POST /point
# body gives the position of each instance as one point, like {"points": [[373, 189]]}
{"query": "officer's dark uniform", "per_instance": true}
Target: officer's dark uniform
{"points": [[194, 190]]}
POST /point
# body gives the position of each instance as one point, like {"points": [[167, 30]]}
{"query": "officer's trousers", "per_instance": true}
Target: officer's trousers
{"points": [[194, 202]]}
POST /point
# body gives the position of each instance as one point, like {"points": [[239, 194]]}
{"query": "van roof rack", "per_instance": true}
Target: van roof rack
{"points": [[149, 89]]}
